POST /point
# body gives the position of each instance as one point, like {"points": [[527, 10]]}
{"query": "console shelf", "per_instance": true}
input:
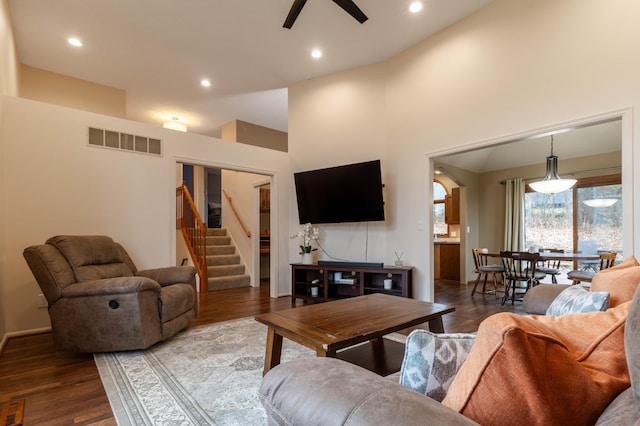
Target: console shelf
{"points": [[356, 281]]}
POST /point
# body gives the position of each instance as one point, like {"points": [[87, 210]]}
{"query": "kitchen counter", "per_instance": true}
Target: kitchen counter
{"points": [[446, 241]]}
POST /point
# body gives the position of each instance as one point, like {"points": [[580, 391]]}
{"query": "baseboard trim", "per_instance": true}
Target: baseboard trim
{"points": [[7, 336]]}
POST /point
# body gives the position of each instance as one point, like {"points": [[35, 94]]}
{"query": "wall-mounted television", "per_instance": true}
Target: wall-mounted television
{"points": [[348, 193]]}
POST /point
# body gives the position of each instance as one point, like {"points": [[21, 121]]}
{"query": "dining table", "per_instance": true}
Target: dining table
{"points": [[547, 255]]}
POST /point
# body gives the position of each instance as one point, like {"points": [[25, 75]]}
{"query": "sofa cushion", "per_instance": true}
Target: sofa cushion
{"points": [[621, 281], [431, 361], [622, 411], [543, 369], [576, 300], [538, 299]]}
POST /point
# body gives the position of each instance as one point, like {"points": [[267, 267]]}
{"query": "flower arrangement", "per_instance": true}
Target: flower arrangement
{"points": [[308, 233]]}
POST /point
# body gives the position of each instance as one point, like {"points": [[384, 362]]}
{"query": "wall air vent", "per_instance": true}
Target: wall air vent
{"points": [[125, 142]]}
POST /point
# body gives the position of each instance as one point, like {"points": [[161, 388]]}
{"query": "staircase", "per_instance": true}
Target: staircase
{"points": [[224, 269]]}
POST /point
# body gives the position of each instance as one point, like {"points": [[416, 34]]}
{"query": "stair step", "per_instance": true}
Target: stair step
{"points": [[223, 259], [218, 240], [218, 250], [233, 281], [217, 232], [224, 271]]}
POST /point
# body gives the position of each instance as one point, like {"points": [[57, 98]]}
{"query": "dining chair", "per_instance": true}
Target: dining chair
{"points": [[520, 273], [550, 266], [484, 269], [580, 275], [588, 247]]}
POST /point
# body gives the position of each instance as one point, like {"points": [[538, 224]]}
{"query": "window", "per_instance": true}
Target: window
{"points": [[440, 227], [572, 221]]}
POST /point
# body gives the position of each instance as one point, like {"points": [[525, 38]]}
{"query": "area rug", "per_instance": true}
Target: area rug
{"points": [[206, 375]]}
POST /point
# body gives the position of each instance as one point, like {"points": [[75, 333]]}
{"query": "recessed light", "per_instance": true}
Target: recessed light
{"points": [[205, 83], [74, 42], [316, 53], [415, 7]]}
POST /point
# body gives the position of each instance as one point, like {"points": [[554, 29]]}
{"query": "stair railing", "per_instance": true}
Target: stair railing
{"points": [[194, 231], [239, 219]]}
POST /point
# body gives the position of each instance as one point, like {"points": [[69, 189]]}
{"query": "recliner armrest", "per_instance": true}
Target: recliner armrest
{"points": [[170, 275], [111, 286], [329, 391]]}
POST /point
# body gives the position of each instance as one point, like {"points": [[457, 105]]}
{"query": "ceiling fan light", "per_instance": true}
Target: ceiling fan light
{"points": [[600, 202]]}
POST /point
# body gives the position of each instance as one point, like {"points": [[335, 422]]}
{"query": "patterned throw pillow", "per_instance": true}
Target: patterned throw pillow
{"points": [[576, 300], [431, 361]]}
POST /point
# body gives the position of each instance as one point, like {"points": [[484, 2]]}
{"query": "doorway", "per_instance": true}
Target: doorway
{"points": [[238, 203], [482, 221], [264, 258]]}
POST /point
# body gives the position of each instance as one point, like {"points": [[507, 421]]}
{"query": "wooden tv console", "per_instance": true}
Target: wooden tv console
{"points": [[356, 281]]}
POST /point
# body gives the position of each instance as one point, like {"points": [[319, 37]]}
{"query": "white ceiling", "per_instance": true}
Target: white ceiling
{"points": [[159, 50], [567, 143]]}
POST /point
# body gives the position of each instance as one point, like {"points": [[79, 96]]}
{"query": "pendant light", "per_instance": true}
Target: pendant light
{"points": [[552, 183], [600, 202]]}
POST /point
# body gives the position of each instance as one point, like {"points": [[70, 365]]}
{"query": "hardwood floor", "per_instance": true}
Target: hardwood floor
{"points": [[62, 388]]}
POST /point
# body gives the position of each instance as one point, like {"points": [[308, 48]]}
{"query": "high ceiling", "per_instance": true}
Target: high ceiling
{"points": [[160, 50]]}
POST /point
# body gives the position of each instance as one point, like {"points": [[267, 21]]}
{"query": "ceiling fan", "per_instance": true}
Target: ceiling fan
{"points": [[348, 5]]}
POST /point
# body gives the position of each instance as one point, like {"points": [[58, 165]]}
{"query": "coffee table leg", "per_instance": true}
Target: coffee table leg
{"points": [[436, 326], [321, 353], [273, 351]]}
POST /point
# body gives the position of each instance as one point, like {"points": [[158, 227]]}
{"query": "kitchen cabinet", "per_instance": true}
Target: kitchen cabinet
{"points": [[447, 261], [452, 207]]}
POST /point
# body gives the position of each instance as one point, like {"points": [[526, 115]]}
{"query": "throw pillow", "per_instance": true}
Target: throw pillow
{"points": [[543, 369], [432, 360], [576, 300], [621, 281]]}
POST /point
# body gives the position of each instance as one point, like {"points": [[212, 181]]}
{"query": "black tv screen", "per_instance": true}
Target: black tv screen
{"points": [[349, 193]]}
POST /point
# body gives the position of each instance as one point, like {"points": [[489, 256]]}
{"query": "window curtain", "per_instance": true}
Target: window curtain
{"points": [[514, 215]]}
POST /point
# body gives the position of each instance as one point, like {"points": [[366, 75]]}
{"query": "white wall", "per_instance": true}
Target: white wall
{"points": [[8, 87], [240, 186], [507, 70], [56, 184], [8, 55], [340, 120]]}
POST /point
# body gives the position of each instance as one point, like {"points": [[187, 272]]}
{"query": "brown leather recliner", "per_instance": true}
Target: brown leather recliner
{"points": [[100, 302]]}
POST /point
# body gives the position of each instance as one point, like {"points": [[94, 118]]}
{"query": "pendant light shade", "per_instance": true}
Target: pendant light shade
{"points": [[600, 202], [552, 183]]}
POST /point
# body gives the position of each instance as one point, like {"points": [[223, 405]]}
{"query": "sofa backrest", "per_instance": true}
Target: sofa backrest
{"points": [[632, 345], [93, 257]]}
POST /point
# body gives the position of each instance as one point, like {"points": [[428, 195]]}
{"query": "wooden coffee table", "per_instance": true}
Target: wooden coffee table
{"points": [[332, 326]]}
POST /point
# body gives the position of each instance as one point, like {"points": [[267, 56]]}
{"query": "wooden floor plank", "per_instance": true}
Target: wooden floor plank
{"points": [[65, 388]]}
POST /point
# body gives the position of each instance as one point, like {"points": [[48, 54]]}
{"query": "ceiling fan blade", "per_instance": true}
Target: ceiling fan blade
{"points": [[350, 7], [296, 7]]}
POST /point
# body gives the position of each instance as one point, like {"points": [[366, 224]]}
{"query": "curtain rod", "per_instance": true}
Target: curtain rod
{"points": [[580, 172]]}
